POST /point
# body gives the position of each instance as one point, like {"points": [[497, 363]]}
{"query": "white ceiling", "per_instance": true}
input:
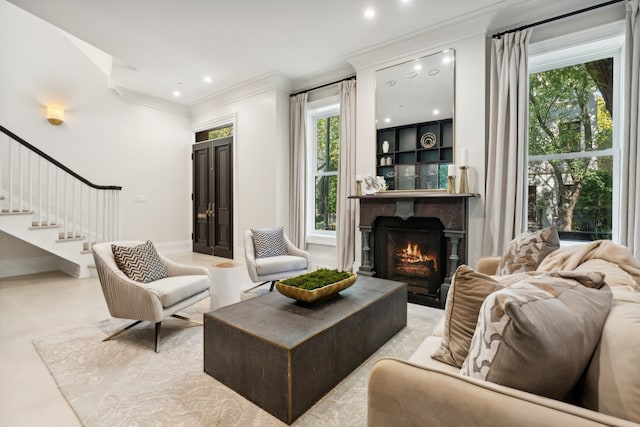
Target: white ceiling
{"points": [[159, 46]]}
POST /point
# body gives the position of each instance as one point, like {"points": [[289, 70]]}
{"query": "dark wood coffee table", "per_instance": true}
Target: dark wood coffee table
{"points": [[284, 356]]}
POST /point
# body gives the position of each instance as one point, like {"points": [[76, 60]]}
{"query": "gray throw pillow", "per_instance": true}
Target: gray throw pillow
{"points": [[539, 334], [140, 263], [269, 242]]}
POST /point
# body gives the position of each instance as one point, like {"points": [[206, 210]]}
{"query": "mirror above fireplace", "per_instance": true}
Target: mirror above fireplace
{"points": [[415, 121], [416, 91]]}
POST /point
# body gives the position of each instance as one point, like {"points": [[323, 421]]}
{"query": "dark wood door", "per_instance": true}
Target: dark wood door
{"points": [[223, 199], [213, 198]]}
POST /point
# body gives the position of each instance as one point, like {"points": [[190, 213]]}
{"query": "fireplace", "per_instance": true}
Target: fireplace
{"points": [[416, 237], [411, 250]]}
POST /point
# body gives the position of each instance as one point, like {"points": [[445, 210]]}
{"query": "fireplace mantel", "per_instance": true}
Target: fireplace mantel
{"points": [[451, 209]]}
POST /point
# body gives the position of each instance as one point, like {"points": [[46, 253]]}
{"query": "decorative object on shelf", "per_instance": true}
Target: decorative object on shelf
{"points": [[358, 185], [451, 179], [374, 184], [464, 166], [389, 161], [316, 286], [428, 140], [383, 161], [385, 147], [464, 180], [381, 183]]}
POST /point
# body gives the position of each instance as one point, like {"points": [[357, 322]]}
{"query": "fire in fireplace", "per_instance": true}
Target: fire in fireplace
{"points": [[412, 251], [411, 261]]}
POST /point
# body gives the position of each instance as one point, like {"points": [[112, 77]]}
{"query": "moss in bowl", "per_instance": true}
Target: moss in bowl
{"points": [[317, 285]]}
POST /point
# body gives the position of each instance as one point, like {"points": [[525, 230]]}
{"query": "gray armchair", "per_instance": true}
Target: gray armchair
{"points": [[274, 268], [153, 301]]}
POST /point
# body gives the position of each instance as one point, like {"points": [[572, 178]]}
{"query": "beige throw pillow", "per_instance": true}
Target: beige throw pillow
{"points": [[467, 293], [525, 252], [539, 334]]}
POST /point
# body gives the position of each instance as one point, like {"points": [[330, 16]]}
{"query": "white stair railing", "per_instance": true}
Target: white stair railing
{"points": [[33, 182]]}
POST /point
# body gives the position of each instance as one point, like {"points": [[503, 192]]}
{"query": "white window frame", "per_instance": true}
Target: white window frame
{"points": [[579, 48], [319, 109]]}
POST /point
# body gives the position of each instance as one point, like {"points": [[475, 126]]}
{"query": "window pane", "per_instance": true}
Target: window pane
{"points": [[575, 195], [221, 133], [570, 111], [326, 189], [328, 143]]}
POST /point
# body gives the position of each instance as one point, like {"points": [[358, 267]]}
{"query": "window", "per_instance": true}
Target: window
{"points": [[217, 133], [574, 104], [324, 145]]}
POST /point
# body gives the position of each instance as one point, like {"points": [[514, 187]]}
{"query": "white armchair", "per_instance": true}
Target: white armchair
{"points": [[274, 268], [153, 301]]}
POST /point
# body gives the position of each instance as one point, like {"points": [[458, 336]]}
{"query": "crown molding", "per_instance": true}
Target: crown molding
{"points": [[441, 36], [273, 80], [146, 100]]}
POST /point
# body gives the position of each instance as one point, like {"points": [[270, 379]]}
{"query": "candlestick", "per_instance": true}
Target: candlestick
{"points": [[451, 184], [464, 180], [451, 170]]}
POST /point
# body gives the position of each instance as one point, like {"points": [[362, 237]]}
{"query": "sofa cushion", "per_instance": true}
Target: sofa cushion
{"points": [[467, 293], [269, 242], [140, 263], [539, 334], [279, 264], [612, 385], [172, 290], [525, 252]]}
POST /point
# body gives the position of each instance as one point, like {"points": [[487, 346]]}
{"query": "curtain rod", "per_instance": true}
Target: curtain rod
{"points": [[325, 85], [566, 15]]}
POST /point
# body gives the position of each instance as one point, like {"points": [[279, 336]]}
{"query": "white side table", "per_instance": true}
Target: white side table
{"points": [[225, 286]]}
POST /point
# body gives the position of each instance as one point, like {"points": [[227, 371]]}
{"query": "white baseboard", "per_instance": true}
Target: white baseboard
{"points": [[32, 265]]}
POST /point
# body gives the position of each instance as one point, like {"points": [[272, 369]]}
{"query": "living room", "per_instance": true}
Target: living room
{"points": [[114, 135]]}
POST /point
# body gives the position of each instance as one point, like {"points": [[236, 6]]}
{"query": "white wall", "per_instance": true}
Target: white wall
{"points": [[261, 166], [105, 139]]}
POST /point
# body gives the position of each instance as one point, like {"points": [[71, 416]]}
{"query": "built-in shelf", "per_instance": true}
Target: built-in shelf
{"points": [[415, 156]]}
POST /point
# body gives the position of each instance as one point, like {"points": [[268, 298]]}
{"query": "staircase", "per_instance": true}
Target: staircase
{"points": [[49, 206]]}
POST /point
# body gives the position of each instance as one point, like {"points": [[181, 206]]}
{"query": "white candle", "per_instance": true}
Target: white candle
{"points": [[451, 170], [359, 178], [464, 157]]}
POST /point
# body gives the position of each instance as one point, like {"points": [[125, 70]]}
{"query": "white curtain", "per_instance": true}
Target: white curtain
{"points": [[297, 166], [630, 184], [506, 150], [345, 229]]}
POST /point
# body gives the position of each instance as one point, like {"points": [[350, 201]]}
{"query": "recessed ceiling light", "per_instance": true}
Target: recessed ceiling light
{"points": [[405, 1], [369, 13], [387, 120], [417, 67], [436, 112], [207, 79], [176, 93], [446, 59], [410, 75], [391, 82], [433, 72]]}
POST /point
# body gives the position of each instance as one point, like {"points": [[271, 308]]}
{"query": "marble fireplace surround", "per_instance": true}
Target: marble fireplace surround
{"points": [[451, 209]]}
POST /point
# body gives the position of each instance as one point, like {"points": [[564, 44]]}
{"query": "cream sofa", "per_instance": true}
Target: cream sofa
{"points": [[424, 392]]}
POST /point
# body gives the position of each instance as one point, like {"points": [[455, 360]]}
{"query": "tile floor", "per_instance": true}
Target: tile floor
{"points": [[40, 305]]}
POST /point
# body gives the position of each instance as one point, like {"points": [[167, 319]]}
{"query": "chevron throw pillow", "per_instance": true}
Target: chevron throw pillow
{"points": [[269, 242], [140, 263]]}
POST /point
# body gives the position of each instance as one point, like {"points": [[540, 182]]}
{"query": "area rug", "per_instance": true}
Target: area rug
{"points": [[123, 382]]}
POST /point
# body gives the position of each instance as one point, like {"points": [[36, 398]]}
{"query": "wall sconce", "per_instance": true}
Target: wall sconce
{"points": [[55, 115]]}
